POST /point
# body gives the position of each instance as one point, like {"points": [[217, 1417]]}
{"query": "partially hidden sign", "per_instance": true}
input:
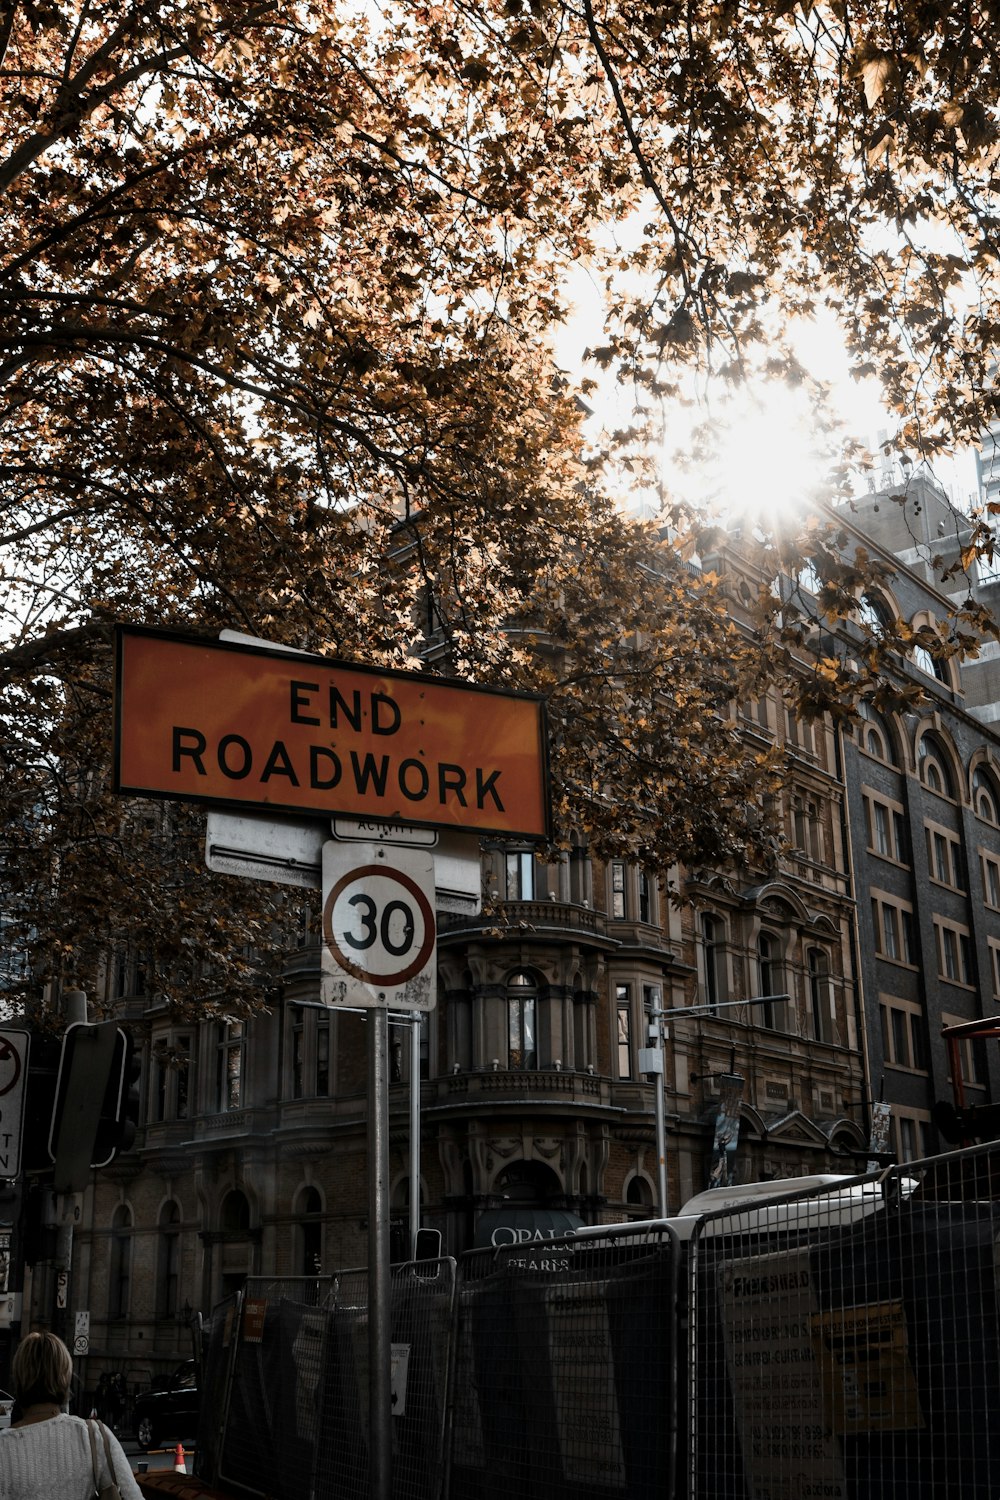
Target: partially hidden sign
{"points": [[226, 723]]}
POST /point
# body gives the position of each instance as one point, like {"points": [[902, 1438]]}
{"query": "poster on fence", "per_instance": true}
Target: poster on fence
{"points": [[767, 1305], [865, 1356], [583, 1386]]}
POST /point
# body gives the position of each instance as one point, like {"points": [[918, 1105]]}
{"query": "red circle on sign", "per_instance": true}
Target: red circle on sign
{"points": [[8, 1051], [351, 965]]}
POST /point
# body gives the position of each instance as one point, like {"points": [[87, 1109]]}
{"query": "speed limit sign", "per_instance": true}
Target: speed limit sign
{"points": [[379, 928]]}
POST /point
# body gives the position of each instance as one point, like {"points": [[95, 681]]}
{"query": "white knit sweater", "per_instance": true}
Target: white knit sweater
{"points": [[51, 1461]]}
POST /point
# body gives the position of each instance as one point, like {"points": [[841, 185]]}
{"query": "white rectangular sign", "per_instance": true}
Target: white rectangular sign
{"points": [[379, 927], [13, 1079], [81, 1333], [289, 851]]}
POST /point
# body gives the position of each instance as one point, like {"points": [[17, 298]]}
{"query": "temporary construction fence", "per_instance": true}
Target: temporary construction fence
{"points": [[565, 1366], [845, 1344], [294, 1410], [840, 1342]]}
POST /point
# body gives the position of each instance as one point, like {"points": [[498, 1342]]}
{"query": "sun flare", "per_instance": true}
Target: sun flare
{"points": [[760, 456]]}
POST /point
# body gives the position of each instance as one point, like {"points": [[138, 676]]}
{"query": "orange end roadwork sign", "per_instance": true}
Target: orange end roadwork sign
{"points": [[232, 724]]}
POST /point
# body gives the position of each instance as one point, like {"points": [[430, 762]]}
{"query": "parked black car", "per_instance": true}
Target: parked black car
{"points": [[171, 1411]]}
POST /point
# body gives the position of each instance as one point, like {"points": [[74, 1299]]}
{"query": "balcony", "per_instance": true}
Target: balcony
{"points": [[516, 919], [484, 1090]]}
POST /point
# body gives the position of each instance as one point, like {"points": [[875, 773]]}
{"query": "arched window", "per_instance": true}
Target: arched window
{"points": [[808, 577], [168, 1261], [933, 765], [931, 665], [713, 948], [121, 1262], [235, 1215], [639, 1197], [820, 994], [874, 614], [874, 735], [770, 981], [522, 1016], [984, 797]]}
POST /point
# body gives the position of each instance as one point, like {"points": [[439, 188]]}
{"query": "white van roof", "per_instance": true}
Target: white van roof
{"points": [[749, 1194]]}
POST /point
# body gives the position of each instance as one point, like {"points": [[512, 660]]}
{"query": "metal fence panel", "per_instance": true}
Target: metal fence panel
{"points": [[565, 1370], [217, 1350], [297, 1418], [272, 1426], [845, 1344], [421, 1320]]}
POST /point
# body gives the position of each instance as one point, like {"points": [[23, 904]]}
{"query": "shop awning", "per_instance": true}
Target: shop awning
{"points": [[523, 1225]]}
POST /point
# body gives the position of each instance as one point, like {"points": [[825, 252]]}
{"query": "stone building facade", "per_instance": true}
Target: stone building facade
{"points": [[881, 923]]}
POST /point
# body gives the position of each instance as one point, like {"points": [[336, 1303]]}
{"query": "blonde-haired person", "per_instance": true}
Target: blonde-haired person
{"points": [[47, 1453]]}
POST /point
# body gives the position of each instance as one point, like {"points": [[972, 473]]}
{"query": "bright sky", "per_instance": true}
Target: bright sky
{"points": [[768, 450]]}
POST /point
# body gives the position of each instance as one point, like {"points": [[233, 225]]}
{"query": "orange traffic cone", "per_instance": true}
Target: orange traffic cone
{"points": [[179, 1466]]}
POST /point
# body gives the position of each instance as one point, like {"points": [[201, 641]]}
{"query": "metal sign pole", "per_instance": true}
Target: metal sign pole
{"points": [[414, 1132], [379, 1278]]}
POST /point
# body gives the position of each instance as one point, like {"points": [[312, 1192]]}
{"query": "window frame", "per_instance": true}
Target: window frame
{"points": [[901, 926], [989, 865], [904, 1046], [230, 1041], [624, 1041], [522, 1002], [953, 946]]}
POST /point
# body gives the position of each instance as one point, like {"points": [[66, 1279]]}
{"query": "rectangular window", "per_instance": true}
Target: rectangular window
{"points": [[299, 1057], [991, 880], [899, 835], [619, 904], [310, 1054], [171, 1072], [520, 875], [881, 836], [623, 998], [714, 954], [893, 927], [994, 947], [229, 1067], [918, 1046], [182, 1077], [886, 828], [971, 1056], [900, 1038], [890, 932], [323, 1055], [160, 1079], [912, 1133], [903, 1042], [645, 897], [948, 964], [954, 952], [943, 857], [807, 830]]}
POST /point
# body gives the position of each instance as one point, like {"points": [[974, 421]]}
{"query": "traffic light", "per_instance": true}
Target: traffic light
{"points": [[43, 1070], [38, 1239], [96, 1105], [120, 1112]]}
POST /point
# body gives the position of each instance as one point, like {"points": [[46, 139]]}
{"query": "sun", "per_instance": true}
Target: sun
{"points": [[758, 455]]}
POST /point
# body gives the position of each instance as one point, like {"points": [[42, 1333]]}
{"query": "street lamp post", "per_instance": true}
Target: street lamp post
{"points": [[651, 1062]]}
